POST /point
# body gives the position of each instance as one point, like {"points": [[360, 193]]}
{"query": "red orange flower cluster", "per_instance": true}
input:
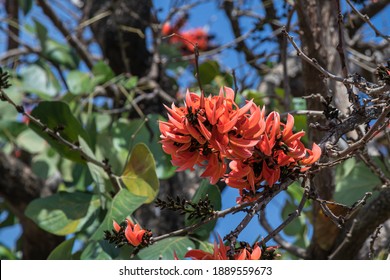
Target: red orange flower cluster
{"points": [[186, 39], [221, 252], [210, 131], [134, 234]]}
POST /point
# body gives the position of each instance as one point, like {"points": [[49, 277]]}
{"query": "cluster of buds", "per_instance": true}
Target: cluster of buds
{"points": [[128, 233], [215, 133], [242, 252]]}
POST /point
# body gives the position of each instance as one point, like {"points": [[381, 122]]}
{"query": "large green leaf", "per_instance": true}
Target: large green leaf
{"points": [[63, 213], [165, 249], [140, 176], [214, 195], [102, 72], [57, 115], [136, 131], [62, 251], [36, 79], [99, 250], [353, 180], [123, 205], [78, 82]]}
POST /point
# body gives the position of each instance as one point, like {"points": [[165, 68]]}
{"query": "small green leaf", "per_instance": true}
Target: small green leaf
{"points": [[102, 72], [140, 176], [25, 5], [62, 251], [164, 249], [41, 32], [214, 195], [60, 53], [78, 82], [63, 213], [131, 83], [57, 115], [208, 71], [297, 226], [123, 205], [36, 79]]}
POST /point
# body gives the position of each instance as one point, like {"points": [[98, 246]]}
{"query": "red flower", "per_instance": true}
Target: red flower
{"points": [[212, 131], [116, 226], [134, 234], [219, 252]]}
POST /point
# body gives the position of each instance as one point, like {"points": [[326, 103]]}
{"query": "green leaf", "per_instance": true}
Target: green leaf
{"points": [[10, 127], [25, 5], [36, 79], [102, 72], [62, 251], [139, 175], [164, 249], [123, 205], [41, 32], [297, 226], [257, 96], [98, 174], [214, 196], [354, 179], [63, 213], [31, 142], [60, 53], [208, 71], [6, 254], [79, 82], [131, 83], [98, 250], [55, 114]]}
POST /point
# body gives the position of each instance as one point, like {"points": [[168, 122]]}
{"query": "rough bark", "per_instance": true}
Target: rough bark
{"points": [[19, 186], [318, 25]]}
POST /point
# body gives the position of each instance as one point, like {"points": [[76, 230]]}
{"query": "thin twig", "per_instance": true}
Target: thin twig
{"points": [[73, 40], [293, 215], [367, 20], [374, 237], [57, 136], [367, 137], [291, 248], [346, 240], [313, 61], [260, 202]]}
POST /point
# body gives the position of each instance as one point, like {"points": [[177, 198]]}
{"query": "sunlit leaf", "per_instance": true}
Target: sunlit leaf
{"points": [[63, 213], [123, 205], [79, 82], [37, 80], [164, 249], [140, 176]]}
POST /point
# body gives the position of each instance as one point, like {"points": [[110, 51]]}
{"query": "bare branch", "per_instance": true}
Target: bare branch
{"points": [[367, 20], [79, 47]]}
